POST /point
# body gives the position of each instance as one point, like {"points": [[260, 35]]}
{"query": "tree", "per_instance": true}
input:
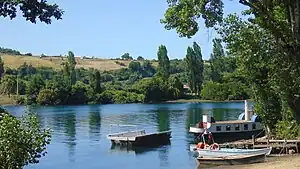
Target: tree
{"points": [[69, 69], [32, 10], [269, 47], [98, 88], [126, 56], [195, 67], [71, 59], [23, 142], [8, 85], [135, 66], [217, 61], [163, 62], [1, 68], [140, 58]]}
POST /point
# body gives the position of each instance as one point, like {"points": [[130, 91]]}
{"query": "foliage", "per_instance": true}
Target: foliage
{"points": [[163, 62], [8, 85], [287, 129], [266, 47], [183, 15], [9, 51], [32, 10], [126, 56], [195, 67], [23, 142], [140, 58], [135, 66], [1, 68]]}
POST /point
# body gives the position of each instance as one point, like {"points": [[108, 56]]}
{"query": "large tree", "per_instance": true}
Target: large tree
{"points": [[31, 10], [274, 58], [195, 67], [23, 141]]}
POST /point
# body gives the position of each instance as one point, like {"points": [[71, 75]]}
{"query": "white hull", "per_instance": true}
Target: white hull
{"points": [[230, 152]]}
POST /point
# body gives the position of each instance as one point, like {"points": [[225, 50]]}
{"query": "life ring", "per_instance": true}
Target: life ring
{"points": [[215, 146], [200, 145]]}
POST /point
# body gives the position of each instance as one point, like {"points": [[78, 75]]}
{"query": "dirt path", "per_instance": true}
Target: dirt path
{"points": [[287, 162]]}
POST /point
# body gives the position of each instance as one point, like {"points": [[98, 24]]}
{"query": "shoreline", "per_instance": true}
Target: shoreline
{"points": [[273, 162], [204, 101], [10, 101]]}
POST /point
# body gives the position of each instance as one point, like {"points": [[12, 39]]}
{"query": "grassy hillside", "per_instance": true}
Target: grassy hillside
{"points": [[14, 61]]}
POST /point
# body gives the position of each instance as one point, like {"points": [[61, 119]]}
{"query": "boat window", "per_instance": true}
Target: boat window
{"points": [[228, 128], [237, 127], [245, 126], [254, 126], [218, 128]]}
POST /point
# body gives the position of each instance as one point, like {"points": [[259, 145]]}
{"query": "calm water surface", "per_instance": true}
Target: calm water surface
{"points": [[79, 134]]}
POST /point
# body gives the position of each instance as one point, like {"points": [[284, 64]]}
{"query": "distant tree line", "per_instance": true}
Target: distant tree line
{"points": [[141, 82]]}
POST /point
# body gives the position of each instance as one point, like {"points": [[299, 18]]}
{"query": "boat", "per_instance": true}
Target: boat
{"points": [[247, 125], [232, 159], [209, 147], [139, 138], [229, 151]]}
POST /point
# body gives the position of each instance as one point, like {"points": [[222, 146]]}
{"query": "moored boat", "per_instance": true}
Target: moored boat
{"points": [[232, 159], [140, 138], [247, 125], [229, 151]]}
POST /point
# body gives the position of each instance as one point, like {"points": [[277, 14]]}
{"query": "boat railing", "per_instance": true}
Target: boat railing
{"points": [[122, 127]]}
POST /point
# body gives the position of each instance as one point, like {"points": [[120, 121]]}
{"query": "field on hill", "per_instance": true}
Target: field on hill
{"points": [[14, 61]]}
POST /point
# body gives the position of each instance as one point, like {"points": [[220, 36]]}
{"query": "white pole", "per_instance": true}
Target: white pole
{"points": [[247, 118], [17, 85]]}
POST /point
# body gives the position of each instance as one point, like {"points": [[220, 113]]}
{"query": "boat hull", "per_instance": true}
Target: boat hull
{"points": [[223, 137], [232, 160], [228, 151]]}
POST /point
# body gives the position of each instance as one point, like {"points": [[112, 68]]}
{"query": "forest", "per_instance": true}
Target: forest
{"points": [[140, 82]]}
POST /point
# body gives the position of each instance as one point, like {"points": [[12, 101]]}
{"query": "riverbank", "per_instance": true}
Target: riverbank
{"points": [[290, 162], [203, 101], [5, 100]]}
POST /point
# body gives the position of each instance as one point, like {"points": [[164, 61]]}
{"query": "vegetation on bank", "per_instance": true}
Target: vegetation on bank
{"points": [[140, 82], [266, 48]]}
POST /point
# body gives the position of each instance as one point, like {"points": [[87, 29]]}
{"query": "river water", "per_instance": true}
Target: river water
{"points": [[79, 134]]}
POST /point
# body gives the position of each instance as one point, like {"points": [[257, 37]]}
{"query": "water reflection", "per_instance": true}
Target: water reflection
{"points": [[94, 118], [67, 121], [163, 154], [136, 150], [163, 119]]}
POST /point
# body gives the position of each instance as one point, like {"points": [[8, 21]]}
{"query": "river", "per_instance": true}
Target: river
{"points": [[79, 133]]}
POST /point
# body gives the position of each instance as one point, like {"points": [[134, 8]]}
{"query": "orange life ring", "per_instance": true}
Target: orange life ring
{"points": [[200, 145], [215, 146]]}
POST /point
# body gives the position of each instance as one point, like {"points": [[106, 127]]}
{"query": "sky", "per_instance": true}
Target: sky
{"points": [[105, 29]]}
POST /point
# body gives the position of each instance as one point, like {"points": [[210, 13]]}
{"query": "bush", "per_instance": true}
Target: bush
{"points": [[287, 129], [22, 141]]}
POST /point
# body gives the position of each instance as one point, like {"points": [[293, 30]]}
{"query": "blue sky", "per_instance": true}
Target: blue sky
{"points": [[105, 29]]}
